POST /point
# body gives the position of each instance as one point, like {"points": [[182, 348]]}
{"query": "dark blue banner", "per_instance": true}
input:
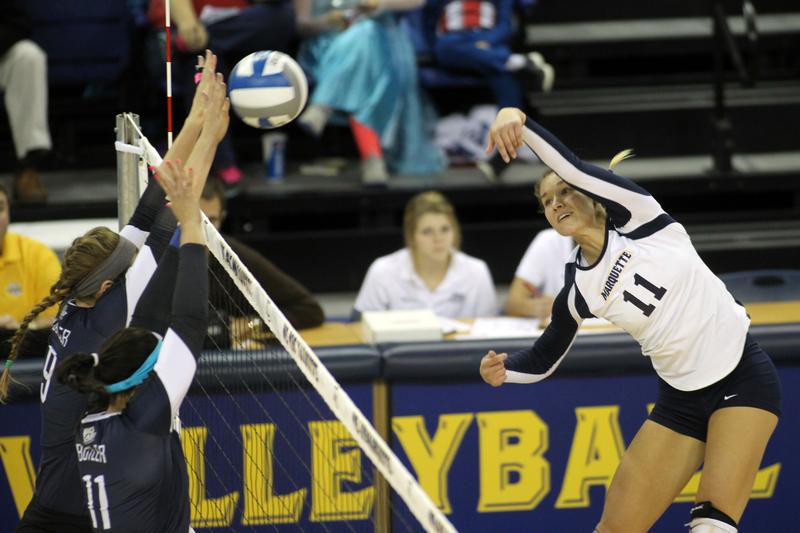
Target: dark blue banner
{"points": [[257, 461], [516, 458], [539, 457]]}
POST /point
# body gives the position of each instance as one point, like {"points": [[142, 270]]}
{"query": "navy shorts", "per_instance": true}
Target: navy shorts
{"points": [[753, 383]]}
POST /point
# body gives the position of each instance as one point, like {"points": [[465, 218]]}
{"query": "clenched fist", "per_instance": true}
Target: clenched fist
{"points": [[493, 370]]}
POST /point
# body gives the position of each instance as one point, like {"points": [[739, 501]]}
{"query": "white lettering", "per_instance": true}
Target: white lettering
{"points": [[95, 453]]}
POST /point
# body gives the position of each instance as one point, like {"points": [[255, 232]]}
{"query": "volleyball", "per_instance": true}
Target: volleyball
{"points": [[267, 89]]}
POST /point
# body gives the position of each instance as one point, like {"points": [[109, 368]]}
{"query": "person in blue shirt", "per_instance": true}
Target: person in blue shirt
{"points": [[475, 36]]}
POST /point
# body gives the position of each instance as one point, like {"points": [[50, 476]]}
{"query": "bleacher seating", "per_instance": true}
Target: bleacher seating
{"points": [[86, 41], [90, 45], [763, 285]]}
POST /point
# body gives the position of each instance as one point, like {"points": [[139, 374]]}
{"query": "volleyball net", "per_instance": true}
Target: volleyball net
{"points": [[271, 439]]}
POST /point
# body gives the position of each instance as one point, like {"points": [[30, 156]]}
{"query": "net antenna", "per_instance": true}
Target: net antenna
{"points": [[335, 397], [168, 65]]}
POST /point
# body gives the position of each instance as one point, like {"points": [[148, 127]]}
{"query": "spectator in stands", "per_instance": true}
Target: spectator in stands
{"points": [[294, 300], [23, 78], [28, 268], [719, 394], [539, 276], [231, 29], [430, 272], [364, 67], [475, 36]]}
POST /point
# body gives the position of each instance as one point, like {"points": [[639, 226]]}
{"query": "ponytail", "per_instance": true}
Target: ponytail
{"points": [[119, 357], [620, 157], [77, 372], [83, 256]]}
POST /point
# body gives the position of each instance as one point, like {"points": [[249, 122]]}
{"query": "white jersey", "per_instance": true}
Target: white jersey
{"points": [[391, 283], [648, 280], [543, 263]]}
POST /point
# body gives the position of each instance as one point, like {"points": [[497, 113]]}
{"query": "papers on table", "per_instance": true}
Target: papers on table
{"points": [[504, 327], [450, 325]]}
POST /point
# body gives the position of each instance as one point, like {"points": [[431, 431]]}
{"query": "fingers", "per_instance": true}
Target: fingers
{"points": [[495, 359], [502, 148], [174, 179], [209, 67], [508, 138], [493, 370], [211, 61]]}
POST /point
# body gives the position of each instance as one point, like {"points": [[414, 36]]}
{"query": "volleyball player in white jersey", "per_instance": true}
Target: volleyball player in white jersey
{"points": [[719, 393]]}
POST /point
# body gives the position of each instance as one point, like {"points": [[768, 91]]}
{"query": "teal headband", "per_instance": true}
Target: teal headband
{"points": [[140, 375]]}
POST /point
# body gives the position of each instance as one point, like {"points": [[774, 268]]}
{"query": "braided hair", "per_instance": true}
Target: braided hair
{"points": [[84, 255]]}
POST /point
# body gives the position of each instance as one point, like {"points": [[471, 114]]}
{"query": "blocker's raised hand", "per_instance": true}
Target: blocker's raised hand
{"points": [[178, 182], [208, 66], [217, 117]]}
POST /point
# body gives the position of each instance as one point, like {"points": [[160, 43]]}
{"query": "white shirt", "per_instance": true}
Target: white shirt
{"points": [[543, 263], [649, 280], [466, 291]]}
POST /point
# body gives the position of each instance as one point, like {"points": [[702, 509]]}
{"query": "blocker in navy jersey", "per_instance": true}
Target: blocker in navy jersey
{"points": [[648, 280], [81, 329], [131, 463]]}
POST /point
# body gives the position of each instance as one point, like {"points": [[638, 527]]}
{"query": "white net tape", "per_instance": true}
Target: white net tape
{"points": [[379, 452]]}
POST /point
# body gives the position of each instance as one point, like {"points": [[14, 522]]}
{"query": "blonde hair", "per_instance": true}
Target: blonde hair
{"points": [[84, 254], [424, 203], [599, 210]]}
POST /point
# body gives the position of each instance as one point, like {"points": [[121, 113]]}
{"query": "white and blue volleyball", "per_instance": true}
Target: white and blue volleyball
{"points": [[267, 89]]}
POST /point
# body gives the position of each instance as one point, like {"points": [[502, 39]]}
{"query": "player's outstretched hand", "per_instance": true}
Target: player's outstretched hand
{"points": [[207, 67], [217, 114], [178, 182], [506, 133], [493, 369]]}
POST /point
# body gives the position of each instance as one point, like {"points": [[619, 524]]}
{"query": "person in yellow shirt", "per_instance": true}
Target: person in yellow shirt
{"points": [[27, 270]]}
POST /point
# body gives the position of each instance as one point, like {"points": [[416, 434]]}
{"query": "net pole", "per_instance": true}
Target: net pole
{"points": [[127, 166]]}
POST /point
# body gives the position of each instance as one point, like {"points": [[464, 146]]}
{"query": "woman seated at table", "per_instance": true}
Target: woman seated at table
{"points": [[430, 272]]}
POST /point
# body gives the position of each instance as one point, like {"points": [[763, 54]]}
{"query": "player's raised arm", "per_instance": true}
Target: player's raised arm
{"points": [[629, 205], [189, 307]]}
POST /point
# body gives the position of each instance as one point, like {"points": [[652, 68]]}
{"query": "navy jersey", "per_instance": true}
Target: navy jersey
{"points": [[79, 329], [648, 280], [131, 463]]}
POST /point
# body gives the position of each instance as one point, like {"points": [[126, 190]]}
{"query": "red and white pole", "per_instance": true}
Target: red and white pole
{"points": [[167, 24]]}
